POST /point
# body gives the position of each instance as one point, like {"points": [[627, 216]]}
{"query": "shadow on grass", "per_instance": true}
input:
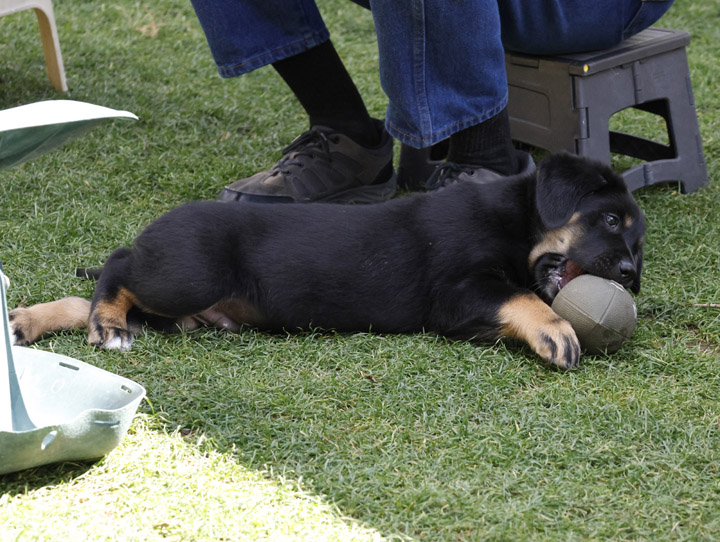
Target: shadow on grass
{"points": [[19, 483], [21, 89]]}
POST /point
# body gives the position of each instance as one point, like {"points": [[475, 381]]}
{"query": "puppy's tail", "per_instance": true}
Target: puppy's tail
{"points": [[92, 274]]}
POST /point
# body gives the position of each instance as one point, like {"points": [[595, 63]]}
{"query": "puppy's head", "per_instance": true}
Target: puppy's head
{"points": [[590, 223]]}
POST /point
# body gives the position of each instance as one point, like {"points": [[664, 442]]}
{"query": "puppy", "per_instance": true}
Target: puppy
{"points": [[467, 261]]}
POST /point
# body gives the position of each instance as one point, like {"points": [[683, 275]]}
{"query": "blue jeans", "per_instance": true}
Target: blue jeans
{"points": [[441, 62]]}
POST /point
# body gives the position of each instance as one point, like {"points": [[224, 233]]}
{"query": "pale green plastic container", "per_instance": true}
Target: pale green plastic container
{"points": [[55, 408]]}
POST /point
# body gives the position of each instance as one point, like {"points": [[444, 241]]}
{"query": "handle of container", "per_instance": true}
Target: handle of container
{"points": [[13, 414]]}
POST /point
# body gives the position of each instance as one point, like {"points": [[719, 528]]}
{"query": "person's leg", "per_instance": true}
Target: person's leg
{"points": [[442, 65], [487, 144], [345, 156], [326, 91]]}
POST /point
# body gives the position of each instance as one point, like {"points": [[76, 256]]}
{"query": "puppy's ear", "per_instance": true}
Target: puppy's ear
{"points": [[562, 181]]}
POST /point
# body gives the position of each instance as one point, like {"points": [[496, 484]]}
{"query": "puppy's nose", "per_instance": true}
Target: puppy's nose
{"points": [[627, 270]]}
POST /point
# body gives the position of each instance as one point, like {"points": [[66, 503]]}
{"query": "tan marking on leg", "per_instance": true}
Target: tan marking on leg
{"points": [[528, 318], [107, 324], [28, 324], [556, 241]]}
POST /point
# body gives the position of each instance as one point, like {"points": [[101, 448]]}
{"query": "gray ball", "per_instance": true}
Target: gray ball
{"points": [[602, 313]]}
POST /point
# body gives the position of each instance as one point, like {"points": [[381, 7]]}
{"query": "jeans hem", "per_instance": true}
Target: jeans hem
{"points": [[268, 57], [436, 136]]}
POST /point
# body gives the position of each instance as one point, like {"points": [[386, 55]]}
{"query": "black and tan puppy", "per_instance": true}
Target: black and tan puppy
{"points": [[469, 261]]}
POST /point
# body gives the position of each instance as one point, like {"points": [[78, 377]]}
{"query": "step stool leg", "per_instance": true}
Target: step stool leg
{"points": [[684, 134]]}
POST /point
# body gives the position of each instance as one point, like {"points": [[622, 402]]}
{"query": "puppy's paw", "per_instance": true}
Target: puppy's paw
{"points": [[525, 316], [557, 343], [107, 322], [110, 337], [22, 329]]}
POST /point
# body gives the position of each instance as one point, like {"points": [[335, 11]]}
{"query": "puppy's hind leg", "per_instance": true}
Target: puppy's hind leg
{"points": [[107, 323], [28, 324]]}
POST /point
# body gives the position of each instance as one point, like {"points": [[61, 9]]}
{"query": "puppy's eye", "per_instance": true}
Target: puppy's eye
{"points": [[611, 219]]}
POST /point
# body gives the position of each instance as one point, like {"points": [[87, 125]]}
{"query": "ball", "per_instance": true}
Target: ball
{"points": [[602, 313]]}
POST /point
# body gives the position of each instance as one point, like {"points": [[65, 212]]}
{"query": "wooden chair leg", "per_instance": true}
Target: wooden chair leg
{"points": [[51, 46]]}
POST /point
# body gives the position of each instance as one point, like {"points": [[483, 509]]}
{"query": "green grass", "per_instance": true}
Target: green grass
{"points": [[344, 436]]}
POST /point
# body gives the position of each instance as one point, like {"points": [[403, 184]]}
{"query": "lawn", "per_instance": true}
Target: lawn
{"points": [[325, 436]]}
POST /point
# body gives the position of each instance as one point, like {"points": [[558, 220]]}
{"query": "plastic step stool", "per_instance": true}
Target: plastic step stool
{"points": [[564, 103]]}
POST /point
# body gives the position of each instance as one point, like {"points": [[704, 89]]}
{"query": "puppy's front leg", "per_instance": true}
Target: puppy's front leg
{"points": [[526, 317], [28, 324]]}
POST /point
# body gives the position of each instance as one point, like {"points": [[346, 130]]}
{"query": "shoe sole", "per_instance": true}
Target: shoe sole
{"points": [[375, 193]]}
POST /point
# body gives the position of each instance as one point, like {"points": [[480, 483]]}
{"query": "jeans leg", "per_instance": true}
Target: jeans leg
{"points": [[441, 65], [247, 34]]}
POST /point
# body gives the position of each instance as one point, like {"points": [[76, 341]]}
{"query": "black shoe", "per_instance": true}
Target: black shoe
{"points": [[450, 172], [323, 165]]}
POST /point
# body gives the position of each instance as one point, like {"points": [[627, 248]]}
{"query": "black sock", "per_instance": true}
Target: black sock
{"points": [[326, 91], [487, 144]]}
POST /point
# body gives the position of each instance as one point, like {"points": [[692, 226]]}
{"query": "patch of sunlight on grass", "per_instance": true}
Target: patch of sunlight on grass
{"points": [[156, 486]]}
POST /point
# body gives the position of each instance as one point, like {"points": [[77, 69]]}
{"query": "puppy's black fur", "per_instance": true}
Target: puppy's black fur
{"points": [[469, 260]]}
